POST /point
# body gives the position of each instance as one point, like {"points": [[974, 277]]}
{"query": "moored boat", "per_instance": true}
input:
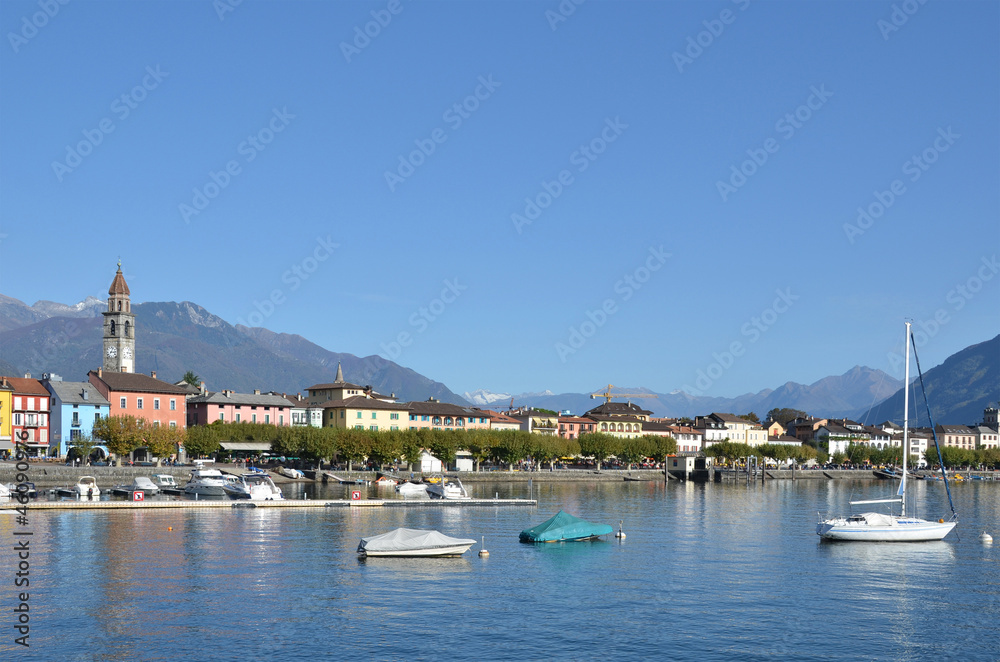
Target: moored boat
{"points": [[86, 486], [412, 489], [563, 527], [254, 486], [415, 543], [889, 527], [448, 488], [205, 482]]}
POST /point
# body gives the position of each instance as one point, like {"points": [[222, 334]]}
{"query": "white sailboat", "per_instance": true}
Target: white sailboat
{"points": [[888, 527]]}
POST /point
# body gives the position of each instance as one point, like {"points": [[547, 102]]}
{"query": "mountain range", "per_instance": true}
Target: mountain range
{"points": [[173, 338]]}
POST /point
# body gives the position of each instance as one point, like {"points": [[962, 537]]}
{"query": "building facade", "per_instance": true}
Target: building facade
{"points": [[232, 407], [29, 412], [75, 407]]}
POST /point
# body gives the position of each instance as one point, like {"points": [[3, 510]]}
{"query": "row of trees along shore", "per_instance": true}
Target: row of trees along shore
{"points": [[384, 447], [124, 434]]}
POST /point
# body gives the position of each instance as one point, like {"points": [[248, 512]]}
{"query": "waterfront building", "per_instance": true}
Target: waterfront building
{"points": [[437, 415], [6, 405], [838, 437], [119, 327], [990, 417], [878, 437], [689, 439], [302, 413], [571, 427], [804, 428], [774, 429], [535, 421], [986, 437], [959, 436], [231, 407], [341, 390], [75, 407], [718, 426], [142, 396], [362, 412], [499, 421], [29, 413], [621, 419]]}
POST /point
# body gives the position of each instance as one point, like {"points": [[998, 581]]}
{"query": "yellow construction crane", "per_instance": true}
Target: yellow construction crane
{"points": [[607, 395]]}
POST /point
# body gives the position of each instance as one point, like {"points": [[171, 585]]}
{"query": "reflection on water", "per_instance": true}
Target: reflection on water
{"points": [[712, 572]]}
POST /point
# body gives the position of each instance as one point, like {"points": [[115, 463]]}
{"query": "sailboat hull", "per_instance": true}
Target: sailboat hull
{"points": [[875, 527]]}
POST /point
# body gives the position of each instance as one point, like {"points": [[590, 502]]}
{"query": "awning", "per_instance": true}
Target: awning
{"points": [[245, 445]]}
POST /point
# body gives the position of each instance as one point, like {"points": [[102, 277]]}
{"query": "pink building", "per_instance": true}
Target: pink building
{"points": [[571, 427], [232, 407]]}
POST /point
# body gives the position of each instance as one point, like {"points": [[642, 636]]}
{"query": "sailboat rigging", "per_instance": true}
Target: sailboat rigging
{"points": [[881, 527]]}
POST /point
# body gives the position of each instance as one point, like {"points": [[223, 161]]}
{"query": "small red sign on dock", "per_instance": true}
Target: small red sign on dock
{"points": [[355, 495], [138, 496]]}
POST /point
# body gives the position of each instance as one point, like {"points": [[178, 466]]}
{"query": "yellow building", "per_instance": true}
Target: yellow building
{"points": [[6, 404], [365, 414]]}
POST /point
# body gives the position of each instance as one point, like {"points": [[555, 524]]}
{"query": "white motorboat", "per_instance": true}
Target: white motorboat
{"points": [[145, 485], [205, 482], [448, 488], [412, 489], [86, 486], [888, 527], [255, 486], [414, 542], [288, 472], [162, 481]]}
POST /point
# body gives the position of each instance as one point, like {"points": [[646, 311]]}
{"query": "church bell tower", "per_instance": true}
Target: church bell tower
{"points": [[119, 327]]}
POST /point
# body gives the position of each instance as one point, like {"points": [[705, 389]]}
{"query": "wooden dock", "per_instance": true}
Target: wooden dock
{"points": [[284, 503]]}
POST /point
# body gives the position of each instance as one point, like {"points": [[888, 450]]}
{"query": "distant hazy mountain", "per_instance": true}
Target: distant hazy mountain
{"points": [[483, 397], [173, 338], [957, 390], [831, 396]]}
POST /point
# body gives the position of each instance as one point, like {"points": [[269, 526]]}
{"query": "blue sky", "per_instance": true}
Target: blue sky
{"points": [[643, 193]]}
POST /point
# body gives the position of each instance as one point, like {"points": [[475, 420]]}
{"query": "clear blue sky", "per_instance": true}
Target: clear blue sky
{"points": [[649, 247]]}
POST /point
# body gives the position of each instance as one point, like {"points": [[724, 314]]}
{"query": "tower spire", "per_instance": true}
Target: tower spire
{"points": [[340, 373]]}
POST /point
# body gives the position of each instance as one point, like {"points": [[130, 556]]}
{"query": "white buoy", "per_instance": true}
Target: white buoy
{"points": [[986, 538], [482, 552], [621, 534]]}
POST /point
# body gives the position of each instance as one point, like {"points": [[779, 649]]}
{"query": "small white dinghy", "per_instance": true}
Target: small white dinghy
{"points": [[414, 542]]}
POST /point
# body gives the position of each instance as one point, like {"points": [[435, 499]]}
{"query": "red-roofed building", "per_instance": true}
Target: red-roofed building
{"points": [[142, 396], [29, 414]]}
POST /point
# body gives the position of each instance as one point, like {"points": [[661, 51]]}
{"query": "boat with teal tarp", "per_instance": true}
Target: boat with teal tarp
{"points": [[564, 527]]}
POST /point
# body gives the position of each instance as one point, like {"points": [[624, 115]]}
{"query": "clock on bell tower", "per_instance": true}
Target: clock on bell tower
{"points": [[119, 327]]}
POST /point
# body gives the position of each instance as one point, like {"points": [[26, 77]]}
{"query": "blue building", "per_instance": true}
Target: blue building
{"points": [[75, 407]]}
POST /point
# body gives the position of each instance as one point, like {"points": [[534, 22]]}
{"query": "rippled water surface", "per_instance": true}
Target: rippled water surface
{"points": [[707, 572]]}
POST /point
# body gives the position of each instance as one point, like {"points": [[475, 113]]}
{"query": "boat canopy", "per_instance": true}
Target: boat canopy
{"points": [[564, 527], [407, 540]]}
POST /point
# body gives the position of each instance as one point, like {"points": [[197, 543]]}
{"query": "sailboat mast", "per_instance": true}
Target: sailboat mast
{"points": [[906, 420]]}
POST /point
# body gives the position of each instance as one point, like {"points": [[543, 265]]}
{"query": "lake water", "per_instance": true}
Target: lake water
{"points": [[706, 572]]}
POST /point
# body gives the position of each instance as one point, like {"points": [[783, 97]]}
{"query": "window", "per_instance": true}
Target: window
{"points": [[173, 405], [394, 427], [173, 424], [222, 416], [17, 419], [393, 417], [447, 420], [374, 415], [267, 418], [156, 403], [359, 414], [437, 420], [425, 418], [138, 403], [127, 325], [97, 416], [374, 427], [281, 420], [253, 418], [156, 424], [342, 412], [237, 418], [460, 422], [76, 418], [112, 327], [413, 417], [359, 427]]}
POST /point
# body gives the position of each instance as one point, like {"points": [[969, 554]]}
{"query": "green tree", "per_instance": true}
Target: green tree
{"points": [[662, 447], [857, 453], [386, 447], [161, 440], [352, 445], [120, 434], [511, 446], [81, 447], [191, 378], [599, 445], [750, 416], [633, 450], [203, 440]]}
